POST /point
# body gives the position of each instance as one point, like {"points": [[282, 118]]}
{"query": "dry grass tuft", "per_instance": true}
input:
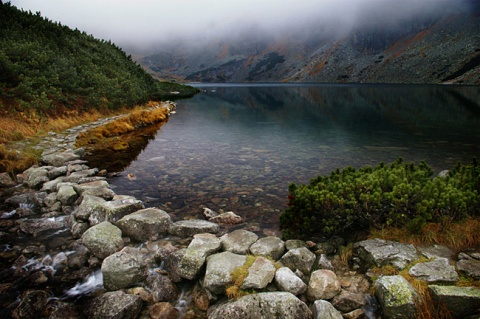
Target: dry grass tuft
{"points": [[458, 235]]}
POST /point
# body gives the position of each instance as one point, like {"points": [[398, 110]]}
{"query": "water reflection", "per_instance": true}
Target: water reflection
{"points": [[238, 147]]}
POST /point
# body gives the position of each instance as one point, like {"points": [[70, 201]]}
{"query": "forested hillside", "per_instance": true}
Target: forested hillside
{"points": [[48, 68]]}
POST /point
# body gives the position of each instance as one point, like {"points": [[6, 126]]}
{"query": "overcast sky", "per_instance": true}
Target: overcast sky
{"points": [[145, 21]]}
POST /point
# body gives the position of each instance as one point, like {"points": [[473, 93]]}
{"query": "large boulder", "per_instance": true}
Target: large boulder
{"points": [[114, 305], [436, 271], [123, 269], [268, 305], [187, 228], [323, 284], [99, 188], [219, 269], [37, 177], [145, 224], [299, 259], [238, 241], [96, 209], [270, 246], [379, 252], [397, 297], [202, 246], [287, 280], [260, 274], [103, 239], [460, 301], [322, 309]]}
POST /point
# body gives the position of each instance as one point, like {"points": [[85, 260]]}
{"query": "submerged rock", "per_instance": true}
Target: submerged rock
{"points": [[187, 228]]}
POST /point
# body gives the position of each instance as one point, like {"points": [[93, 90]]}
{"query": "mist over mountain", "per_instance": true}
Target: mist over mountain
{"points": [[373, 41]]}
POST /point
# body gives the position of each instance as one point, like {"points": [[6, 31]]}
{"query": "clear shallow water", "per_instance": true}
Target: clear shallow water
{"points": [[238, 147]]}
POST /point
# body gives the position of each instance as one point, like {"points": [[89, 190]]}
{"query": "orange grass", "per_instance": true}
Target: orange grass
{"points": [[458, 235]]}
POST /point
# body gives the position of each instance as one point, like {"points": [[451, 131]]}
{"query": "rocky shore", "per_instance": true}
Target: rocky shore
{"points": [[73, 248]]}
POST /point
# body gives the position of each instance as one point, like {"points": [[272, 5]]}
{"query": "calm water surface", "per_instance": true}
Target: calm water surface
{"points": [[238, 147]]}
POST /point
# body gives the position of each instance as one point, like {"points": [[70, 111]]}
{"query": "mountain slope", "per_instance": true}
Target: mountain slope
{"points": [[47, 67], [438, 49]]}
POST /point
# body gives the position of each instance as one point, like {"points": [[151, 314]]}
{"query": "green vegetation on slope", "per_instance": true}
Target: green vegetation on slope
{"points": [[400, 194], [47, 68]]}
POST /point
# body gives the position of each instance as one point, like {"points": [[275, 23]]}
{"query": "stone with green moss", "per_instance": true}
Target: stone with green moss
{"points": [[397, 297]]}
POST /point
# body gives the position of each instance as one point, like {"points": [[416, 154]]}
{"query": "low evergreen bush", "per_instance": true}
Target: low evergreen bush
{"points": [[399, 194]]}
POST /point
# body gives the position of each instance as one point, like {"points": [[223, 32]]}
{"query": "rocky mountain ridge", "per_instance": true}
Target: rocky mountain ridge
{"points": [[444, 48]]}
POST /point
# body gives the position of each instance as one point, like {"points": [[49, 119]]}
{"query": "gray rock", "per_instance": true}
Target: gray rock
{"points": [[348, 301], [471, 268], [322, 309], [269, 246], [380, 252], [219, 269], [436, 271], [78, 228], [295, 243], [123, 269], [40, 225], [59, 159], [229, 218], [103, 239], [96, 209], [238, 241], [267, 305], [75, 177], [6, 180], [79, 258], [96, 188], [37, 177], [57, 172], [187, 228], [323, 284], [67, 195], [460, 301], [324, 263], [20, 199], [50, 200], [397, 297], [51, 186], [286, 280], [299, 258], [202, 246], [162, 288], [260, 274], [436, 251], [145, 224], [172, 264], [114, 305]]}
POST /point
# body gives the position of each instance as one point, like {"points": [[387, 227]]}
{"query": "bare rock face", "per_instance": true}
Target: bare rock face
{"points": [[123, 269], [270, 246], [397, 297], [145, 224], [115, 304], [381, 252], [286, 280], [103, 239], [238, 241], [202, 246], [323, 284], [267, 305], [436, 271], [460, 301], [219, 269], [322, 309]]}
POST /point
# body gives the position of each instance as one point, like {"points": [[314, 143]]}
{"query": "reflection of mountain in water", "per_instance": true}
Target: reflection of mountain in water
{"points": [[362, 106]]}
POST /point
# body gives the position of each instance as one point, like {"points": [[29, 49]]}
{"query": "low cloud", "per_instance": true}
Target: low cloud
{"points": [[147, 23]]}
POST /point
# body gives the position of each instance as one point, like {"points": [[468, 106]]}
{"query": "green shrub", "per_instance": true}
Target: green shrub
{"points": [[399, 194]]}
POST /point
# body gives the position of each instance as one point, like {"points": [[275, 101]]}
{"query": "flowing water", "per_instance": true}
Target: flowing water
{"points": [[238, 147]]}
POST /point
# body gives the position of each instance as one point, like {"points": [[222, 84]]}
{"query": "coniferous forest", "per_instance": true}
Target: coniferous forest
{"points": [[47, 68]]}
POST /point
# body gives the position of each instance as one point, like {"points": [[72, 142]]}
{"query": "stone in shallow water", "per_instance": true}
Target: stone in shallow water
{"points": [[103, 239], [187, 228]]}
